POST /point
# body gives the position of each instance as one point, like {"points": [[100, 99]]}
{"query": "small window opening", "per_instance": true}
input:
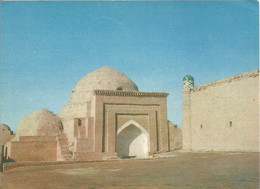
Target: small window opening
{"points": [[201, 126], [79, 122], [60, 126], [230, 124], [119, 88]]}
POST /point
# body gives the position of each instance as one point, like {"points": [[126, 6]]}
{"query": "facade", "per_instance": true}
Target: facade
{"points": [[222, 115], [106, 117]]}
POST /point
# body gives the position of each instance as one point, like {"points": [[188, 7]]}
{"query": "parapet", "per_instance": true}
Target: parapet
{"points": [[237, 77]]}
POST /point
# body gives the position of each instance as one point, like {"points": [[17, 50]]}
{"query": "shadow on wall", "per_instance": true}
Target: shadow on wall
{"points": [[3, 157]]}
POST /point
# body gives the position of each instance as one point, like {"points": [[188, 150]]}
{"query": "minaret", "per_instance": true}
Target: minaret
{"points": [[188, 84]]}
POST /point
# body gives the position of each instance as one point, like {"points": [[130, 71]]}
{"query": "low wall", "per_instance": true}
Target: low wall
{"points": [[175, 137], [12, 165], [33, 151]]}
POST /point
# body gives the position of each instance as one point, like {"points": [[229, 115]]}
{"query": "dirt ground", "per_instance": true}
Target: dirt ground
{"points": [[185, 170]]}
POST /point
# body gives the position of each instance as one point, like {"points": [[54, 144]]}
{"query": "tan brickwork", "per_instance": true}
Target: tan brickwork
{"points": [[222, 115]]}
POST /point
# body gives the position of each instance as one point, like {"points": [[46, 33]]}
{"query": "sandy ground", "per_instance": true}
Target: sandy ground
{"points": [[183, 170]]}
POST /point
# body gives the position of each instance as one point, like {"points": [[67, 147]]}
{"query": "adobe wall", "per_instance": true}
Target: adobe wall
{"points": [[223, 115], [175, 137], [33, 150], [5, 136]]}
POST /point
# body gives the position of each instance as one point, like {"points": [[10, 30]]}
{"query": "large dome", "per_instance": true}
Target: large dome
{"points": [[105, 78], [39, 123]]}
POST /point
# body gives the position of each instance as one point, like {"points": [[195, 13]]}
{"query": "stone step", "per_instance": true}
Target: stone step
{"points": [[61, 136], [67, 156], [61, 139], [82, 144], [64, 151], [63, 143], [87, 156], [64, 147], [83, 139], [82, 148]]}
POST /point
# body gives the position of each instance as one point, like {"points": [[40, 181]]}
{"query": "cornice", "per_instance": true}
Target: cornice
{"points": [[130, 93]]}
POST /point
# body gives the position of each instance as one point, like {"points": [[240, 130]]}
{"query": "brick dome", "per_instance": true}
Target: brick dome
{"points": [[39, 123], [105, 78]]}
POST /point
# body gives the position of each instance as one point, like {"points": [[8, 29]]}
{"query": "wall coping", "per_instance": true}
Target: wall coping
{"points": [[237, 77], [130, 93]]}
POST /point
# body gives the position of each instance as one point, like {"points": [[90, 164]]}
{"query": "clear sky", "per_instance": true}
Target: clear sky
{"points": [[46, 47]]}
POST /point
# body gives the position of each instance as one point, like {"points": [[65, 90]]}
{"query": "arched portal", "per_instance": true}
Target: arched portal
{"points": [[132, 141]]}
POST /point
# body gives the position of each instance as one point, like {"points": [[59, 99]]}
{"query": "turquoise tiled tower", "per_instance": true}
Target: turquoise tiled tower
{"points": [[188, 81], [188, 84]]}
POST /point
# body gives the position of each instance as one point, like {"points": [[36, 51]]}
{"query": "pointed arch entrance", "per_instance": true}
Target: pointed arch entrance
{"points": [[132, 141]]}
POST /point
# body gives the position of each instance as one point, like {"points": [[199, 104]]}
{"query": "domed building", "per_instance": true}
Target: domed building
{"points": [[106, 117], [6, 134], [39, 123]]}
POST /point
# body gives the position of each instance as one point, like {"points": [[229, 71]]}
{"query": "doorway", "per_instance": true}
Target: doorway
{"points": [[132, 141]]}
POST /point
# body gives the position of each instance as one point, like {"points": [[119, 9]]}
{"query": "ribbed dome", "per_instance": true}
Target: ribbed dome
{"points": [[39, 123], [105, 78]]}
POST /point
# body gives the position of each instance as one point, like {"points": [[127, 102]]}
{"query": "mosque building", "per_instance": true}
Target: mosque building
{"points": [[106, 117]]}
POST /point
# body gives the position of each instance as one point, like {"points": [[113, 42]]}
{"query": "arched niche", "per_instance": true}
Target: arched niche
{"points": [[132, 141]]}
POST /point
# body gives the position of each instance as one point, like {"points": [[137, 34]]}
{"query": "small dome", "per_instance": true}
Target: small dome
{"points": [[188, 77], [5, 134], [4, 126], [39, 123], [105, 78], [188, 81]]}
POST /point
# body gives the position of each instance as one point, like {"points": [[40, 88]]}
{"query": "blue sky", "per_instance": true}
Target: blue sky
{"points": [[46, 47]]}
